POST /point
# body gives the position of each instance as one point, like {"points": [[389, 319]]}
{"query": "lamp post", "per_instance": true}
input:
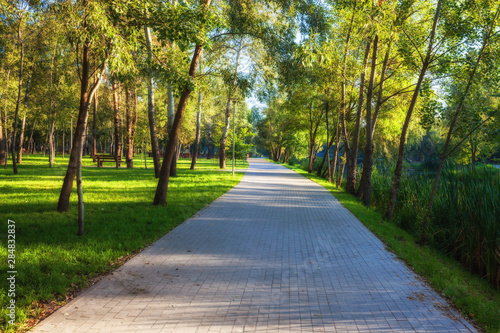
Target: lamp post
{"points": [[234, 125]]}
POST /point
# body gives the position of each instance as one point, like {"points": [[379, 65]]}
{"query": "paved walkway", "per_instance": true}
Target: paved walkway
{"points": [[277, 253]]}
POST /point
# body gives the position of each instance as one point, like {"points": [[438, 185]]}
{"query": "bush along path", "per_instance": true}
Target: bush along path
{"points": [[276, 253]]}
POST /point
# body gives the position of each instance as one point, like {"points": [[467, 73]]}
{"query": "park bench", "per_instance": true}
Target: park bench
{"points": [[108, 158]]}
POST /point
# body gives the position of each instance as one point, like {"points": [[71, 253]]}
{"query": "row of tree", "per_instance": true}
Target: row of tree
{"points": [[368, 75], [77, 69], [350, 76]]}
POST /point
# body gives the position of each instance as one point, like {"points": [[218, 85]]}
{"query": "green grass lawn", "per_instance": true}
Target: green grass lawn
{"points": [[475, 297], [52, 261]]}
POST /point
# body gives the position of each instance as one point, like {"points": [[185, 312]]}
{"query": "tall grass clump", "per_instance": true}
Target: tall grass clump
{"points": [[468, 211], [465, 218]]}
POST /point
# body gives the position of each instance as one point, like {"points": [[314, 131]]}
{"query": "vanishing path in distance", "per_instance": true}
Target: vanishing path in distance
{"points": [[277, 253]]}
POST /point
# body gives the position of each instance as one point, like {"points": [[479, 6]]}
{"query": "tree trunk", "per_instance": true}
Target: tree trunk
{"points": [[71, 135], [116, 111], [16, 114], [311, 156], [328, 147], [74, 159], [23, 123], [52, 153], [222, 148], [286, 155], [343, 93], [402, 141], [161, 189], [340, 174], [51, 141], [30, 141], [365, 186], [353, 156], [278, 154], [130, 129], [170, 124], [335, 150], [145, 156], [3, 136], [94, 125], [79, 190], [347, 149], [327, 139], [223, 139], [198, 134], [63, 141], [313, 131], [21, 141], [210, 145], [2, 143], [444, 154], [6, 136], [151, 111]]}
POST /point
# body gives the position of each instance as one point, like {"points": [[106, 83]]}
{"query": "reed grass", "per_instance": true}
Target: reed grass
{"points": [[465, 218]]}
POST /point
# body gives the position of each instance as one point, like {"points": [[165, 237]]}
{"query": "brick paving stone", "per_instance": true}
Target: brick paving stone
{"points": [[277, 253]]}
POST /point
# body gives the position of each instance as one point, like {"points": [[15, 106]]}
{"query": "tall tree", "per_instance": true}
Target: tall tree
{"points": [[402, 141], [364, 189], [94, 124], [93, 36], [343, 102], [151, 106], [20, 14], [445, 153], [161, 190], [23, 122], [3, 139], [231, 92], [351, 172]]}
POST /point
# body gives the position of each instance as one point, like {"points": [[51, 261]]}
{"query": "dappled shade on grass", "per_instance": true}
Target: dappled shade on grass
{"points": [[120, 219]]}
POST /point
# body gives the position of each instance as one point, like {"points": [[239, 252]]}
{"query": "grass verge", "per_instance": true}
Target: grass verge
{"points": [[474, 297], [120, 220]]}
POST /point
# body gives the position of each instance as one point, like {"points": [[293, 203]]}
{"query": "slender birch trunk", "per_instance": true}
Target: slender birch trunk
{"points": [[131, 123], [198, 134], [335, 149], [170, 124], [151, 111]]}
